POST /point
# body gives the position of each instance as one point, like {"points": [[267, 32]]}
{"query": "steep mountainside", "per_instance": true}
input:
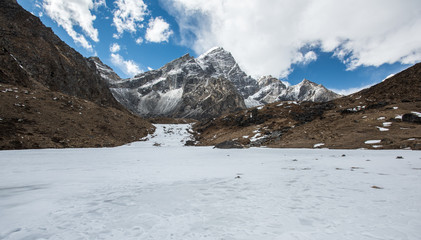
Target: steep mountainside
{"points": [[31, 54], [180, 89], [50, 95], [385, 116]]}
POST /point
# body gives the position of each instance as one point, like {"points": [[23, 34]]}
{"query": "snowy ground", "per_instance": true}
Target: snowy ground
{"points": [[143, 191]]}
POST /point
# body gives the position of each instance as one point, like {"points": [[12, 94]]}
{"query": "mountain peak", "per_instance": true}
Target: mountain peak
{"points": [[212, 51], [306, 82]]}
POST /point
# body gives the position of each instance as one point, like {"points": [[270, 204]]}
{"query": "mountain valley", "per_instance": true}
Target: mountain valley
{"points": [[53, 97]]}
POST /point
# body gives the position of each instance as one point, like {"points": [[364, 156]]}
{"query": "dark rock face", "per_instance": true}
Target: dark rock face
{"points": [[32, 55]]}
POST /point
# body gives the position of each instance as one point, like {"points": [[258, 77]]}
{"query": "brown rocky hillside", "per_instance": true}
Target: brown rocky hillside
{"points": [[50, 95], [382, 112]]}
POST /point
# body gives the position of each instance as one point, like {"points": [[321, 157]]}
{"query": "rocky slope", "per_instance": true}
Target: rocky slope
{"points": [[180, 89], [50, 95], [385, 116], [31, 54]]}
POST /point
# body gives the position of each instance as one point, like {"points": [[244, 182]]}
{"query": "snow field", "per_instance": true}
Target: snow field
{"points": [[141, 191]]}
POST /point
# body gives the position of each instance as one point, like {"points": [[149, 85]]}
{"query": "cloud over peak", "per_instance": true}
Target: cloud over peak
{"points": [[128, 67], [268, 36]]}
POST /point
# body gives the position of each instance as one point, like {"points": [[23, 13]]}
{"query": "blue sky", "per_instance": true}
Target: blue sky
{"points": [[344, 45]]}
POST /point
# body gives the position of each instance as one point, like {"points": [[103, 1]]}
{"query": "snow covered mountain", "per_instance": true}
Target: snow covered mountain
{"points": [[182, 88], [272, 90], [218, 62], [203, 87]]}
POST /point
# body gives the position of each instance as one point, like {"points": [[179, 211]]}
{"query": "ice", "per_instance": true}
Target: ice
{"points": [[140, 191], [372, 141]]}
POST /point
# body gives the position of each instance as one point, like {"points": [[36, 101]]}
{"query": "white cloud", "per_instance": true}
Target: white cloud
{"points": [[158, 30], [265, 36], [71, 13], [128, 15], [128, 67], [150, 69], [114, 48], [305, 58], [139, 40]]}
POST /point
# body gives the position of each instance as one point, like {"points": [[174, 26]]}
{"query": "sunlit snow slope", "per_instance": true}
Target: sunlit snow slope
{"points": [[143, 191]]}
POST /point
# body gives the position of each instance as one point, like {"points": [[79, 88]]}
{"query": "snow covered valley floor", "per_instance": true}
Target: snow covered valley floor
{"points": [[141, 191]]}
